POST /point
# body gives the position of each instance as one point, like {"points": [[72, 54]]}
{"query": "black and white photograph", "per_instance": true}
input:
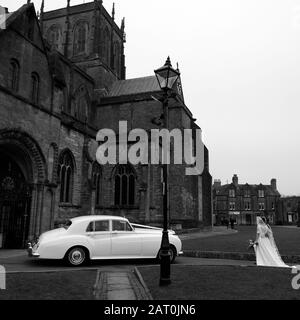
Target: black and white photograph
{"points": [[149, 153]]}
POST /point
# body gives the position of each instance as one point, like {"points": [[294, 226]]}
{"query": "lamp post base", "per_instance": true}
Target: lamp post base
{"points": [[165, 263], [165, 270]]}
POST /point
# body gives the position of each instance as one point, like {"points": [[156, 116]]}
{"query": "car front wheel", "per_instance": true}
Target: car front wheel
{"points": [[172, 252], [76, 256]]}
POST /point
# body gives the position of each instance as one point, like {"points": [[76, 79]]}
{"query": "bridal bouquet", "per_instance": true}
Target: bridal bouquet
{"points": [[252, 244]]}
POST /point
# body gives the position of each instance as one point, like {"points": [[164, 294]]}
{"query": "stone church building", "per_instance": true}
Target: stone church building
{"points": [[62, 78]]}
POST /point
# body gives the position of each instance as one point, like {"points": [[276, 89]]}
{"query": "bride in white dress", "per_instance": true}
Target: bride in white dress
{"points": [[266, 250]]}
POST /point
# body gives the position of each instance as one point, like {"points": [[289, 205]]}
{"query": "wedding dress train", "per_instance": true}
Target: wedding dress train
{"points": [[266, 250]]}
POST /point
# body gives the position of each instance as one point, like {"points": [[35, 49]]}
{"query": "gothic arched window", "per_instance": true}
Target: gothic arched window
{"points": [[35, 87], [66, 176], [97, 177], [54, 37], [106, 51], [80, 38], [82, 104], [117, 57], [14, 74], [124, 186]]}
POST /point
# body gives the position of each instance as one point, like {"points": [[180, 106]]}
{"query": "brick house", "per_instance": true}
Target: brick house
{"points": [[244, 202], [62, 78]]}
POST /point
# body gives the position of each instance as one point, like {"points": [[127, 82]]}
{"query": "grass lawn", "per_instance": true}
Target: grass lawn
{"points": [[222, 283], [73, 285], [287, 240]]}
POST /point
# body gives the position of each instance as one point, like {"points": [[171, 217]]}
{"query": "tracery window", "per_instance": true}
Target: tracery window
{"points": [[124, 186], [66, 175]]}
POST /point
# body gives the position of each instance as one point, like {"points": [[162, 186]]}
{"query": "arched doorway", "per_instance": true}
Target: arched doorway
{"points": [[15, 203], [22, 178]]}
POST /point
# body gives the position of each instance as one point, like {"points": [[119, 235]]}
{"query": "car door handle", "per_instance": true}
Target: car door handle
{"points": [[91, 235]]}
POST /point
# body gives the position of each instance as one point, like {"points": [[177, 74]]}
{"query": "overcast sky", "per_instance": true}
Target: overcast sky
{"points": [[240, 65]]}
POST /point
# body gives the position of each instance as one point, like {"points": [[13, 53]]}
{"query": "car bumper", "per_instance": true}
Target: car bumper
{"points": [[32, 252]]}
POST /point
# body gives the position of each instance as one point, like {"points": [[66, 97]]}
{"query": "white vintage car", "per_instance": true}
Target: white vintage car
{"points": [[102, 237]]}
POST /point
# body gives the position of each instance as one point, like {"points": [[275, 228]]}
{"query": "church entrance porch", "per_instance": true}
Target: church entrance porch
{"points": [[22, 178], [15, 203]]}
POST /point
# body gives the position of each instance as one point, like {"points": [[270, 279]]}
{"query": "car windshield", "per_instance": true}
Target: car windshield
{"points": [[67, 224]]}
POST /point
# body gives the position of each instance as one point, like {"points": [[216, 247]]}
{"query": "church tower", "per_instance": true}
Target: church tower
{"points": [[89, 36]]}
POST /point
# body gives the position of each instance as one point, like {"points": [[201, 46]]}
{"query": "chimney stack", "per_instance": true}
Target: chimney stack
{"points": [[235, 180], [217, 184], [274, 184]]}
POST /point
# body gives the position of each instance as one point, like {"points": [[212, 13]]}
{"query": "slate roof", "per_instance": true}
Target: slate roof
{"points": [[133, 86], [240, 189]]}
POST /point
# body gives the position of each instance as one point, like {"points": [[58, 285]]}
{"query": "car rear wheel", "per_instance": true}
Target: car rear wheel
{"points": [[173, 254], [76, 256]]}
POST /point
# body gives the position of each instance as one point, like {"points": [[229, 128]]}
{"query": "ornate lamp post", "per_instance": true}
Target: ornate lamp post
{"points": [[166, 77]]}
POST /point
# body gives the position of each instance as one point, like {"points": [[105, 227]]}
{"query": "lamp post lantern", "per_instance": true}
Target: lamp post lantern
{"points": [[166, 77]]}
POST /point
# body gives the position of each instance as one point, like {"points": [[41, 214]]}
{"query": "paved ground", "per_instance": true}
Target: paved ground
{"points": [[116, 280], [19, 262]]}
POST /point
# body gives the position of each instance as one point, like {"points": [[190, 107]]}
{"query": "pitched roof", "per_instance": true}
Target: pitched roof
{"points": [[13, 17], [133, 86], [240, 188], [10, 17]]}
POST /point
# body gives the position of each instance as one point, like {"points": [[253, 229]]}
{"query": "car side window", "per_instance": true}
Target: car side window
{"points": [[98, 226], [91, 227], [119, 225], [101, 226]]}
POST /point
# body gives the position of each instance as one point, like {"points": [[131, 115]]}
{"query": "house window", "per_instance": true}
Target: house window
{"points": [[66, 175], [247, 193], [97, 176], [14, 74], [215, 205], [35, 87], [124, 186], [261, 193], [232, 193], [80, 37], [261, 206], [231, 206], [247, 206]]}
